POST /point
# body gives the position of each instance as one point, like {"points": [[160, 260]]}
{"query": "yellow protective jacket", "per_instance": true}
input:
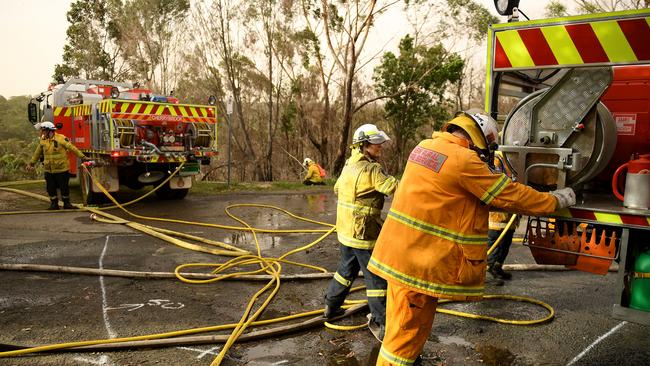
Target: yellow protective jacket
{"points": [[55, 153], [434, 240], [498, 220], [361, 189], [313, 174]]}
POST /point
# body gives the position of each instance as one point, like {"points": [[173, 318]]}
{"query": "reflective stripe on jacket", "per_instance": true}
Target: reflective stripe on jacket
{"points": [[434, 240], [499, 219], [313, 174], [361, 189], [55, 153]]}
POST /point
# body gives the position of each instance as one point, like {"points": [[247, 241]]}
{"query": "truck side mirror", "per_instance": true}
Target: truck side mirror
{"points": [[32, 112]]}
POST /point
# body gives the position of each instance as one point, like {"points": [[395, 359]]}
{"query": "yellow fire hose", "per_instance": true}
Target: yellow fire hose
{"points": [[270, 266]]}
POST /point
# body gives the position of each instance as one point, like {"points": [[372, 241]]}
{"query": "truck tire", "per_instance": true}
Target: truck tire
{"points": [[166, 193], [87, 195]]}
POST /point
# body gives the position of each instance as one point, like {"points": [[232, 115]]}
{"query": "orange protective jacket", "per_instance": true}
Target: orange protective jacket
{"points": [[434, 240]]}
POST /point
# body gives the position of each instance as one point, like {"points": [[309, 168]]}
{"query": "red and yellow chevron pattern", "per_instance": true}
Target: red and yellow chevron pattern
{"points": [[62, 111], [625, 40], [606, 217], [154, 112]]}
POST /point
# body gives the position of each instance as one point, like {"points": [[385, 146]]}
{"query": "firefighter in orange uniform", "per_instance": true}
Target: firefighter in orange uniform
{"points": [[434, 241]]}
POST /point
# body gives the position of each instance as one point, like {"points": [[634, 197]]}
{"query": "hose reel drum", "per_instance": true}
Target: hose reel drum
{"points": [[563, 135]]}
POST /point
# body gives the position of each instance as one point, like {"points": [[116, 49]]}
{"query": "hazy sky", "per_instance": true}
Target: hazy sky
{"points": [[33, 35]]}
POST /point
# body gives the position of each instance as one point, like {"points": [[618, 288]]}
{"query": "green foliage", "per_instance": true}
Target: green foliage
{"points": [[91, 37], [17, 139], [288, 117], [13, 119], [469, 16], [555, 9], [415, 82]]}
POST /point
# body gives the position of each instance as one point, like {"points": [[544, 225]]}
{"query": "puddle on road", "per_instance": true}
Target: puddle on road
{"points": [[454, 340], [244, 241], [494, 356], [343, 356]]}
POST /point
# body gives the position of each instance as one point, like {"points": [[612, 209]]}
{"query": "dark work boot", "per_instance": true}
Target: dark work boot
{"points": [[54, 204], [67, 205], [331, 312], [418, 361], [497, 271], [377, 330]]}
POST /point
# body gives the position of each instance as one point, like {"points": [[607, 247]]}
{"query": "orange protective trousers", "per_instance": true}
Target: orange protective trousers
{"points": [[409, 317]]}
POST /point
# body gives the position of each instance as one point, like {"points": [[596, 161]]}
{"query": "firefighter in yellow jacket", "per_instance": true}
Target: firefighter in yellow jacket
{"points": [[313, 173], [54, 148], [434, 241], [360, 189]]}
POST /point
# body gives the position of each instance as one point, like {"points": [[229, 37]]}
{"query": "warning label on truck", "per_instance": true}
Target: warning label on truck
{"points": [[625, 124]]}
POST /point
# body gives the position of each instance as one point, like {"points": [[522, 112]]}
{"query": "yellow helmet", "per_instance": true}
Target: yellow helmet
{"points": [[482, 129]]}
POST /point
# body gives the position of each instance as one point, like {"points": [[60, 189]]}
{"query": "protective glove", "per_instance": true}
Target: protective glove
{"points": [[565, 197]]}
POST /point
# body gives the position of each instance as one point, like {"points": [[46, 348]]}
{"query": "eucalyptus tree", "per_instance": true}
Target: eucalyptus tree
{"points": [[557, 8], [346, 28], [92, 49], [415, 83], [153, 35]]}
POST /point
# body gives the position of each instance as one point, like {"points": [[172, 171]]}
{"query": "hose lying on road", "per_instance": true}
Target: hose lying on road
{"points": [[264, 268]]}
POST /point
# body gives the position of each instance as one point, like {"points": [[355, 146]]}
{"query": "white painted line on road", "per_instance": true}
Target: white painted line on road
{"points": [[102, 361], [107, 324], [210, 351], [202, 353], [611, 331]]}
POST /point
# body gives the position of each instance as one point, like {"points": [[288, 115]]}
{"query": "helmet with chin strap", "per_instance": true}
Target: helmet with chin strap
{"points": [[369, 133], [47, 125], [481, 129]]}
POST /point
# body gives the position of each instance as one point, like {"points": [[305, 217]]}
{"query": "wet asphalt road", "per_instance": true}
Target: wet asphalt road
{"points": [[41, 308]]}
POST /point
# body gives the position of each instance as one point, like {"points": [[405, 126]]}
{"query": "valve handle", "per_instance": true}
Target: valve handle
{"points": [[615, 181]]}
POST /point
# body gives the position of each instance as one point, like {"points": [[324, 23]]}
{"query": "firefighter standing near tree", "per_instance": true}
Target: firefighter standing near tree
{"points": [[361, 189], [313, 176], [53, 148], [434, 241]]}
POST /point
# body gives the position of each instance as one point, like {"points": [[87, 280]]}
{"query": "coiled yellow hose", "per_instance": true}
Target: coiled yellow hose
{"points": [[242, 258]]}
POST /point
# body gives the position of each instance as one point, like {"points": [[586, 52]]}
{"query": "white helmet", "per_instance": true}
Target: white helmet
{"points": [[306, 161], [47, 125], [482, 129], [488, 125], [370, 133]]}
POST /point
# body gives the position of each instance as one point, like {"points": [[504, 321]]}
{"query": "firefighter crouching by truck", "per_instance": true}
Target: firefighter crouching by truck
{"points": [[360, 189], [434, 241], [53, 148]]}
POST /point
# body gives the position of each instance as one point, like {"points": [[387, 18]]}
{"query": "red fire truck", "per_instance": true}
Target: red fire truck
{"points": [[580, 87], [135, 137]]}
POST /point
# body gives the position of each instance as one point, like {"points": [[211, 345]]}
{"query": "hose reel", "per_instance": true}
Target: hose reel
{"points": [[201, 134], [563, 135]]}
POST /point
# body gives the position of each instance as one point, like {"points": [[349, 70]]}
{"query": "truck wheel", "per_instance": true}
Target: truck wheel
{"points": [[88, 196], [166, 193]]}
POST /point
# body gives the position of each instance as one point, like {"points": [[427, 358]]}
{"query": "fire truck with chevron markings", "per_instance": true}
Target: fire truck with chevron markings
{"points": [[135, 137], [574, 97]]}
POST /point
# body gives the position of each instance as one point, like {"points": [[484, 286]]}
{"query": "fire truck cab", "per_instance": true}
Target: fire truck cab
{"points": [[573, 95], [135, 137]]}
